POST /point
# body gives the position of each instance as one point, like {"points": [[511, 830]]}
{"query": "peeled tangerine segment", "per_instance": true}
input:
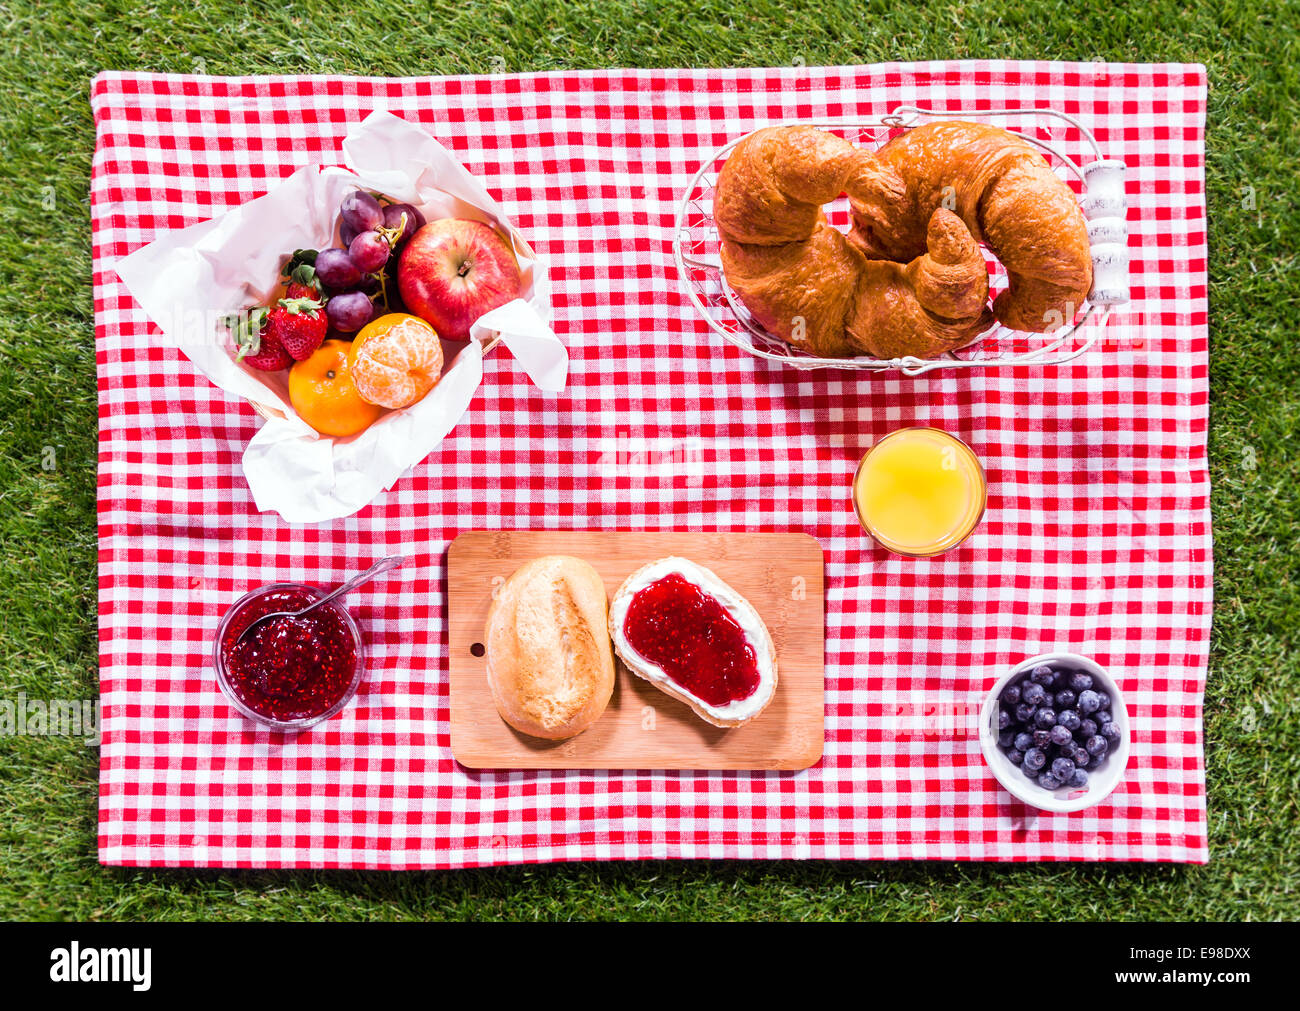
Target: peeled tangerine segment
{"points": [[395, 363]]}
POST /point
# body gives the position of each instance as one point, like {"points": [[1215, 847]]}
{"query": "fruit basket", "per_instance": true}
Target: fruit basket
{"points": [[1100, 187], [191, 281]]}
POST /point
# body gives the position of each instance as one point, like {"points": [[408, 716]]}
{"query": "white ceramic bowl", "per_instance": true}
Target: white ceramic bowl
{"points": [[1101, 780]]}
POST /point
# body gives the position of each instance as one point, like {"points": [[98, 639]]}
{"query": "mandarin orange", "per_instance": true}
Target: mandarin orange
{"points": [[396, 359], [322, 391]]}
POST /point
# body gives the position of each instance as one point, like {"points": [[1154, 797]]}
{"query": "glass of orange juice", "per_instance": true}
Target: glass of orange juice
{"points": [[919, 492]]}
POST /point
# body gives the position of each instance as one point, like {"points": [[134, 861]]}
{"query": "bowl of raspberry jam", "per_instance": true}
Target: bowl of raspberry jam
{"points": [[290, 672]]}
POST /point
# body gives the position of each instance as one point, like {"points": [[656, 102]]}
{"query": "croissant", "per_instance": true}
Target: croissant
{"points": [[823, 296], [910, 278], [772, 187], [1007, 195]]}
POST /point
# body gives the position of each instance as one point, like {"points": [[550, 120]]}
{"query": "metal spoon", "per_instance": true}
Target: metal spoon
{"points": [[383, 565]]}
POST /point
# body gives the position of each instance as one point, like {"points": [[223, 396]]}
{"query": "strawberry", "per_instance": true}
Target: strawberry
{"points": [[302, 280], [298, 325], [257, 346]]}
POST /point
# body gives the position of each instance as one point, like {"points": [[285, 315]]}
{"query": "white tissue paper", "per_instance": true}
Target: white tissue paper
{"points": [[188, 280]]}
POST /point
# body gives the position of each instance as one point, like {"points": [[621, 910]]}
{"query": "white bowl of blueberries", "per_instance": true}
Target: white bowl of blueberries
{"points": [[1055, 732]]}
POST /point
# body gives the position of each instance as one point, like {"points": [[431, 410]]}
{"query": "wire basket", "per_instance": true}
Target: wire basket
{"points": [[1101, 197]]}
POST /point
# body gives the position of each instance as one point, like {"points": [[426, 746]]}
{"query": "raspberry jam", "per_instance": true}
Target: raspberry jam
{"points": [[289, 671], [699, 645]]}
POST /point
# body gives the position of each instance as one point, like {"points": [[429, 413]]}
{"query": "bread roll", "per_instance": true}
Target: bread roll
{"points": [[549, 662], [732, 710]]}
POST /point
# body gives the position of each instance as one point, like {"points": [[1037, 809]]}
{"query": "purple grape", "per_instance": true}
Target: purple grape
{"points": [[369, 252], [336, 270], [346, 234], [361, 211], [349, 312], [393, 219]]}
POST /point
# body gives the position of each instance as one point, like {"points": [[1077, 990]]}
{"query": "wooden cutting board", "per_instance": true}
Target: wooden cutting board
{"points": [[780, 574]]}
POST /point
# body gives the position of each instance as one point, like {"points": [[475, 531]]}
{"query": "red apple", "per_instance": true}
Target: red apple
{"points": [[454, 270]]}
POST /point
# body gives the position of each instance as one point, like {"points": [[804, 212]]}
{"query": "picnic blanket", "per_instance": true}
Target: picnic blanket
{"points": [[1096, 538]]}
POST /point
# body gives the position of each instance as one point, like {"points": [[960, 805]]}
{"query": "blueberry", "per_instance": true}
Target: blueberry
{"points": [[1023, 741], [1004, 719], [1015, 756], [1080, 755], [1069, 719], [1078, 779], [1060, 734], [1045, 718], [1025, 712], [1089, 702], [1087, 728], [1095, 760], [1007, 737], [1063, 769], [1065, 698], [1010, 695], [1035, 759], [1042, 738], [1033, 694], [1105, 700], [1111, 733], [1097, 745], [1048, 782], [1102, 717], [1042, 675], [1080, 681]]}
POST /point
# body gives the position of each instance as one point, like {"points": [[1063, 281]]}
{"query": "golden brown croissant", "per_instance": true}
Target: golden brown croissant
{"points": [[910, 279], [825, 297], [1007, 195], [937, 303], [772, 187], [800, 291]]}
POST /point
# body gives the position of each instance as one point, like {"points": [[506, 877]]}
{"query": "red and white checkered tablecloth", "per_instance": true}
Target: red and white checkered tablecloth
{"points": [[1096, 539]]}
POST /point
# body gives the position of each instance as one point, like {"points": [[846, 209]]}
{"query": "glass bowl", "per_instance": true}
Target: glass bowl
{"points": [[223, 673]]}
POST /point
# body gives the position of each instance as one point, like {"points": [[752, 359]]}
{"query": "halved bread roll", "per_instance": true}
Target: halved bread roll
{"points": [[549, 663], [720, 661]]}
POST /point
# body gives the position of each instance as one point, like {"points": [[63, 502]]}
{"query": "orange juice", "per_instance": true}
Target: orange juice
{"points": [[919, 491]]}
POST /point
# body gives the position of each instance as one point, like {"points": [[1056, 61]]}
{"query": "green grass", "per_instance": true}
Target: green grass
{"points": [[49, 52]]}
